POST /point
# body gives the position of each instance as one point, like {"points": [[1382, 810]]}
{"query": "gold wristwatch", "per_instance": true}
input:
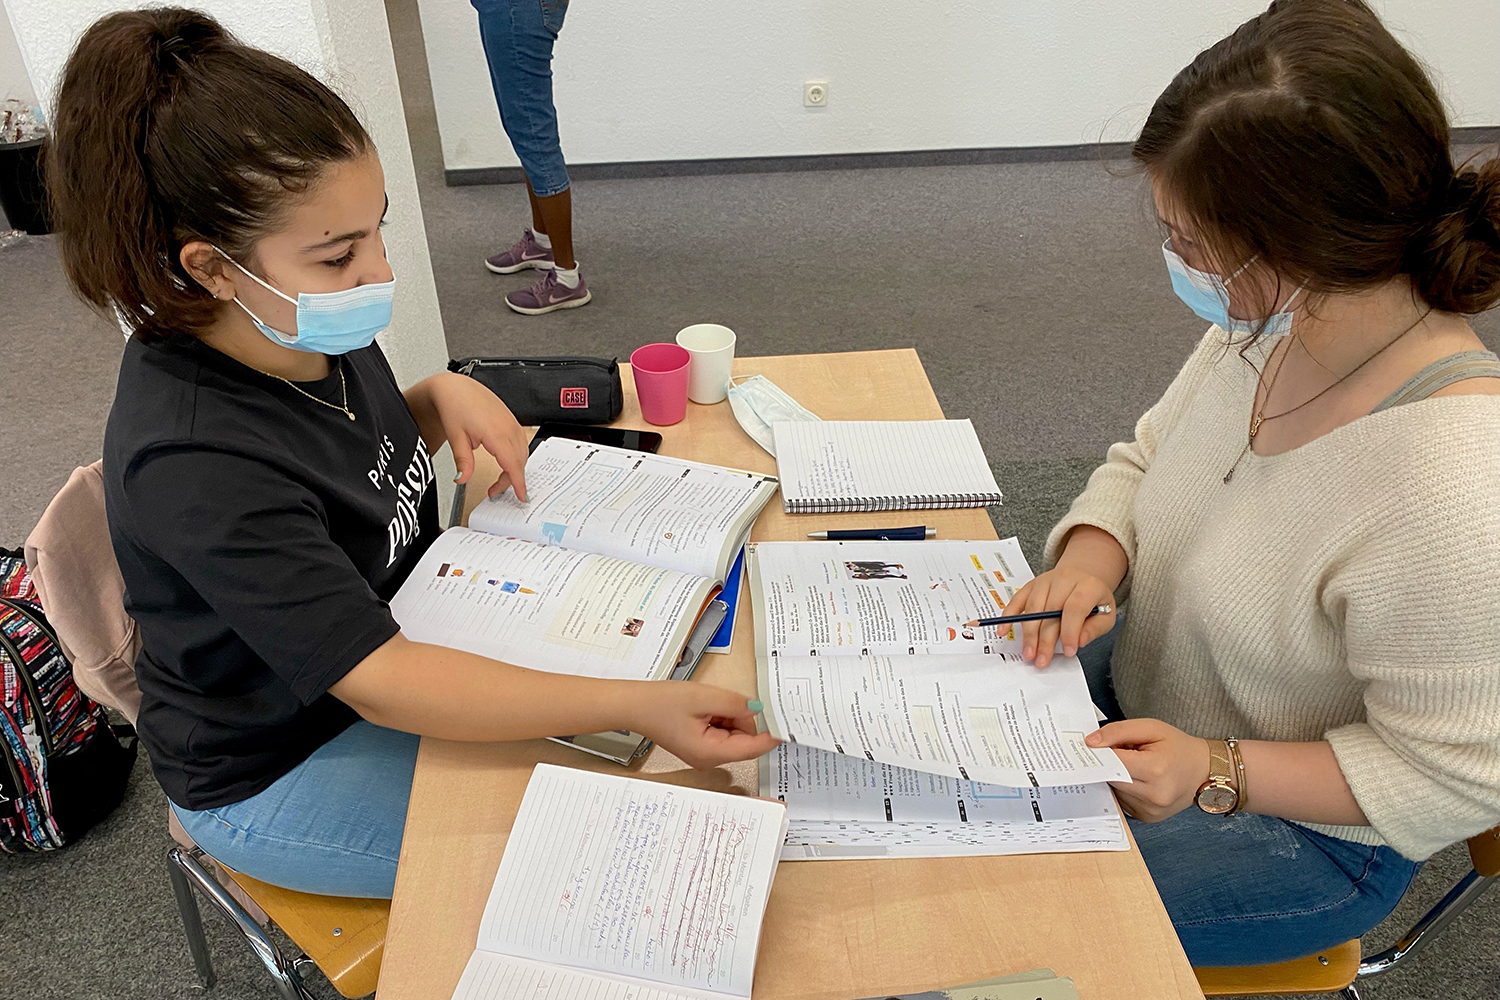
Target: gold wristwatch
{"points": [[1219, 795]]}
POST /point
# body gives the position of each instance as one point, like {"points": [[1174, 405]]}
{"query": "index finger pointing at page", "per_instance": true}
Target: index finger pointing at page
{"points": [[511, 462]]}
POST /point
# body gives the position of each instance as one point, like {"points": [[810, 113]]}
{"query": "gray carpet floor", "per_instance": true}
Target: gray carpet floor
{"points": [[1035, 294]]}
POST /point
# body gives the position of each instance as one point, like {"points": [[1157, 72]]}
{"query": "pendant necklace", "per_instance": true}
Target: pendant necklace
{"points": [[343, 387], [1258, 416]]}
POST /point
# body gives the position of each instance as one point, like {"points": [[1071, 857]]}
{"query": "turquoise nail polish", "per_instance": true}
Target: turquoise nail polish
{"points": [[756, 707]]}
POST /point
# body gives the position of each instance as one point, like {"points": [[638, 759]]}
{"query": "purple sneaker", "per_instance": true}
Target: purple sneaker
{"points": [[526, 253], [549, 295]]}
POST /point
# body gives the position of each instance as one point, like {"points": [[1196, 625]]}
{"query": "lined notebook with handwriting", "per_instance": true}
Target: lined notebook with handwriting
{"points": [[831, 466], [616, 888]]}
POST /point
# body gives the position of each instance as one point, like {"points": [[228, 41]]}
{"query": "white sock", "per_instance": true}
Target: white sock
{"points": [[542, 240], [567, 277]]}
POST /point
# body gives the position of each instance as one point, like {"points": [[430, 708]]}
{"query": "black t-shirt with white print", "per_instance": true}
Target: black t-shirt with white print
{"points": [[260, 534]]}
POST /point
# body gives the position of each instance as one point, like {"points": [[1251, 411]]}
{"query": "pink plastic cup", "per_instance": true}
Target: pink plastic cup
{"points": [[661, 382]]}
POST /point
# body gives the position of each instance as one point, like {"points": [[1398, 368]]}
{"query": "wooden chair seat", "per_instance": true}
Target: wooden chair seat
{"points": [[1484, 852], [344, 936], [1326, 972]]}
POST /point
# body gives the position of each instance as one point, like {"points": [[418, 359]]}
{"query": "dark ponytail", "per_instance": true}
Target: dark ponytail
{"points": [[1457, 266], [168, 130], [1311, 139]]}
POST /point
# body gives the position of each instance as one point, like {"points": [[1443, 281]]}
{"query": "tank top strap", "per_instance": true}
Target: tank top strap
{"points": [[1442, 373]]}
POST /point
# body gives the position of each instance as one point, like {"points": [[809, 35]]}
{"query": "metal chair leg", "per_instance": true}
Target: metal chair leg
{"points": [[1459, 898], [185, 865], [1350, 992], [192, 922]]}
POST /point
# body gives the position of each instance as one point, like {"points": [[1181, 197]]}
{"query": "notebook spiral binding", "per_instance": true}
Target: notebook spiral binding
{"points": [[947, 501]]}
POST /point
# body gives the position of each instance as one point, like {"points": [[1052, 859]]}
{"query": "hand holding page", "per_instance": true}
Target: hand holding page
{"points": [[859, 652], [970, 716]]}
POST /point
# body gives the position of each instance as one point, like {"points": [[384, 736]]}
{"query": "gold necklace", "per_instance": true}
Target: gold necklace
{"points": [[343, 387], [1258, 415]]}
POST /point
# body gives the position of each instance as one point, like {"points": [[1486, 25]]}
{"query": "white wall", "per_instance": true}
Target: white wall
{"points": [[691, 79], [347, 44], [14, 80]]}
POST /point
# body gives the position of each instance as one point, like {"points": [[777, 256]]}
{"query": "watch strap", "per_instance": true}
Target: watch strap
{"points": [[1237, 764], [1220, 760]]}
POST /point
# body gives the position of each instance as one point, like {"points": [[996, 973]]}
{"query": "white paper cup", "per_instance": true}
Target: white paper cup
{"points": [[712, 350]]}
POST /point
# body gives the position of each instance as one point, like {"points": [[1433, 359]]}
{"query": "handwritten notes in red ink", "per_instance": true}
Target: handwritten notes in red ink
{"points": [[612, 888]]}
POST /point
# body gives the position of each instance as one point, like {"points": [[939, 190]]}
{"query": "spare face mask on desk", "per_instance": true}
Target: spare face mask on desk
{"points": [[758, 403]]}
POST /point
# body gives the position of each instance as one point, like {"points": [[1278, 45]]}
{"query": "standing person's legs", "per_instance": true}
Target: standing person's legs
{"points": [[332, 825], [554, 215], [518, 37], [1249, 889]]}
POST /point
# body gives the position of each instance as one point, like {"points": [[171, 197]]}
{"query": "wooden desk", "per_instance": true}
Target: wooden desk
{"points": [[834, 930]]}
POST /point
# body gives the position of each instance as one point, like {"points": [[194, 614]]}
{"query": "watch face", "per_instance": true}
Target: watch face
{"points": [[1216, 799]]}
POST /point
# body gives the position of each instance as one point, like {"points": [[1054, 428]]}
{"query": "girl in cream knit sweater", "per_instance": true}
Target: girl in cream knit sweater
{"points": [[1307, 524]]}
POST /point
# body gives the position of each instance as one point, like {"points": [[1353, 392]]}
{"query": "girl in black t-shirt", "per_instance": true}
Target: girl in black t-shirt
{"points": [[267, 482]]}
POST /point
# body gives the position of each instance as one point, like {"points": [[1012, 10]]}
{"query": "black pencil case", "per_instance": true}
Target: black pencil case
{"points": [[576, 390]]}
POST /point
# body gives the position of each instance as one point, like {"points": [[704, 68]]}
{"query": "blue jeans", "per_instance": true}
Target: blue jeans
{"points": [[331, 825], [518, 37], [1249, 889]]}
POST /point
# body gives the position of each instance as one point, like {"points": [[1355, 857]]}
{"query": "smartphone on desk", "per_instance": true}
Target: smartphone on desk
{"points": [[615, 437]]}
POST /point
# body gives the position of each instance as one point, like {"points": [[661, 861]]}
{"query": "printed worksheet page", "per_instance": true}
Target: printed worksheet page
{"points": [[852, 840], [895, 598], [818, 785], [636, 878], [972, 716], [548, 608], [843, 807], [666, 512]]}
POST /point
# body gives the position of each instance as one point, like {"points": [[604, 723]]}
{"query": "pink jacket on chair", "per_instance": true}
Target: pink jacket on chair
{"points": [[79, 583]]}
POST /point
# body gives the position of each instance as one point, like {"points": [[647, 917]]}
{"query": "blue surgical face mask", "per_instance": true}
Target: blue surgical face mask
{"points": [[330, 322], [1208, 296]]}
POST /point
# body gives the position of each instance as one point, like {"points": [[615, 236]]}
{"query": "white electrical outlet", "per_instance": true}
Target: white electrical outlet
{"points": [[815, 93]]}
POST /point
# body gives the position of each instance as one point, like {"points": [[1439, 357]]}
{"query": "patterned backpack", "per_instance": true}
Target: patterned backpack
{"points": [[64, 767]]}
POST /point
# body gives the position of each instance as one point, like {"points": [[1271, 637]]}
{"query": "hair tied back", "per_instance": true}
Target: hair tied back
{"points": [[1461, 272], [168, 131]]}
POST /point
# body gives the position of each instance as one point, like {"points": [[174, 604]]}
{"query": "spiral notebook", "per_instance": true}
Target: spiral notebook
{"points": [[829, 466]]}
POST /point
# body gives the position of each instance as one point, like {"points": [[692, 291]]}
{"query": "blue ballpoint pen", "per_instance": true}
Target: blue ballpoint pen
{"points": [[912, 534]]}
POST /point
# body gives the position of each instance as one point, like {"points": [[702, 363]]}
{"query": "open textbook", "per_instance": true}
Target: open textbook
{"points": [[609, 570], [615, 888], [860, 649], [604, 571], [844, 807]]}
